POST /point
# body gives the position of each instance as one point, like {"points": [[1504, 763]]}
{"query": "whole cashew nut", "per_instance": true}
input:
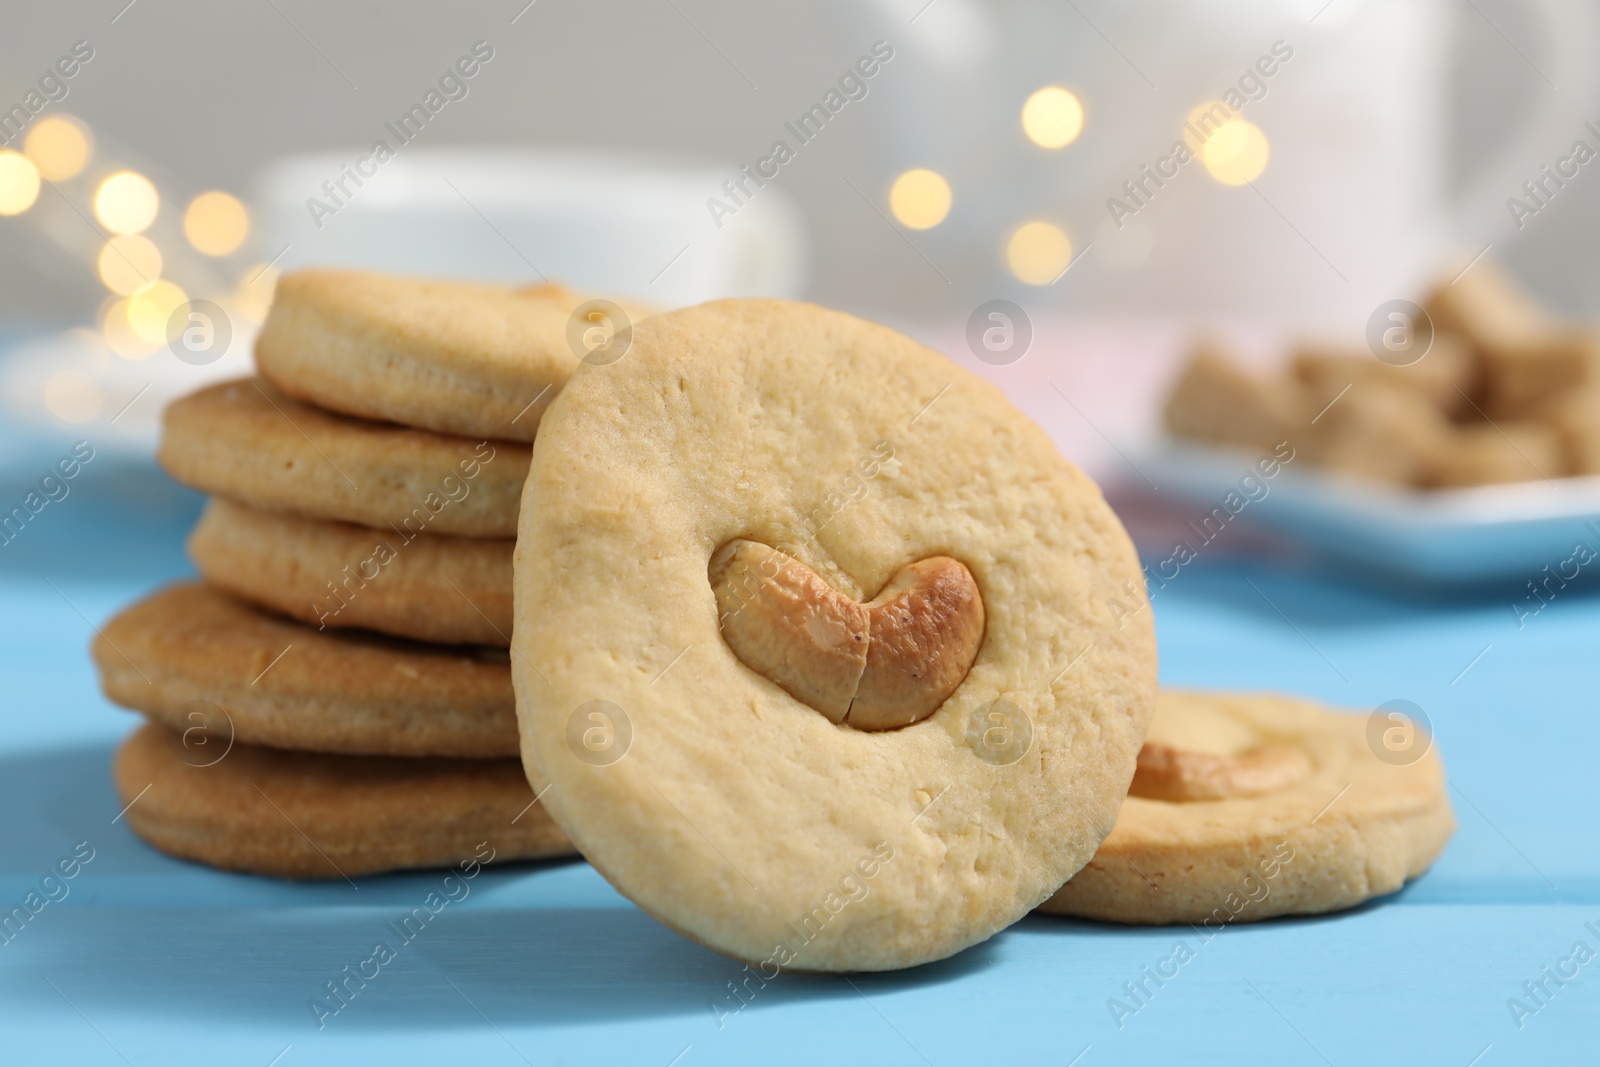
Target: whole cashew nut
{"points": [[876, 666]]}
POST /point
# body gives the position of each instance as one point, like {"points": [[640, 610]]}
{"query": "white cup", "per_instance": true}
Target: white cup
{"points": [[1356, 205], [618, 224]]}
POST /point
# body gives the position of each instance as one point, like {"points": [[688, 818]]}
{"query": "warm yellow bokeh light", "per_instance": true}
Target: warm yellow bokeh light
{"points": [[1236, 153], [72, 396], [254, 294], [19, 183], [59, 146], [1038, 252], [119, 335], [216, 223], [1203, 121], [129, 264], [1052, 117], [126, 202], [920, 198], [149, 311]]}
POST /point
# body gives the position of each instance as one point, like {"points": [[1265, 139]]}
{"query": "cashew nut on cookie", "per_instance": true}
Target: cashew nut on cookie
{"points": [[1175, 774], [876, 666]]}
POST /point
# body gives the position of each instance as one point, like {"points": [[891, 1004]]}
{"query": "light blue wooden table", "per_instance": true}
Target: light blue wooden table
{"points": [[151, 961]]}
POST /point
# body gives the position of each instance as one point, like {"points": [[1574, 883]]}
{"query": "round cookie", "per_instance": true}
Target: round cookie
{"points": [[456, 357], [302, 815], [1248, 806], [246, 440], [763, 464], [190, 655], [432, 587]]}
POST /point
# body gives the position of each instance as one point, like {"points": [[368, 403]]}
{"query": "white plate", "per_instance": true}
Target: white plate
{"points": [[1443, 536]]}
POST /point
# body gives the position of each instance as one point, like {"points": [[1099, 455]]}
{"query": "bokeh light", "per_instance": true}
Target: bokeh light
{"points": [[216, 223], [119, 335], [19, 183], [1203, 121], [129, 263], [1052, 117], [1236, 153], [1038, 252], [59, 146], [920, 198], [126, 202], [254, 293], [149, 310], [72, 396]]}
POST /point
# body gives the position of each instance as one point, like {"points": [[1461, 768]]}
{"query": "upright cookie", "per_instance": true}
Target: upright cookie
{"points": [[431, 587], [246, 440], [818, 647], [301, 815], [1249, 806], [191, 656], [459, 358]]}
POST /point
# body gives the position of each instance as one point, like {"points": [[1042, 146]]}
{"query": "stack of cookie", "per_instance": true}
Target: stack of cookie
{"points": [[335, 698]]}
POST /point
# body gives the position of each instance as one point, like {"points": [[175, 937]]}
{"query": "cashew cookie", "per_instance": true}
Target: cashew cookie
{"points": [[246, 440], [456, 357], [815, 648], [1249, 806], [189, 656], [430, 587], [303, 815]]}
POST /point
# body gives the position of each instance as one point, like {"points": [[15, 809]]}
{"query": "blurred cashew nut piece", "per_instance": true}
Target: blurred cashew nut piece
{"points": [[1179, 775], [876, 666]]}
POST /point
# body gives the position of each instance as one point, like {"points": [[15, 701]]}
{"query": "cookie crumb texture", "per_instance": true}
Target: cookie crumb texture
{"points": [[736, 813], [1345, 828], [302, 815]]}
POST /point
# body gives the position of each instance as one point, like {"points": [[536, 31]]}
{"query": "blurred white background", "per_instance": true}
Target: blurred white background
{"points": [[203, 96], [1376, 146]]}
